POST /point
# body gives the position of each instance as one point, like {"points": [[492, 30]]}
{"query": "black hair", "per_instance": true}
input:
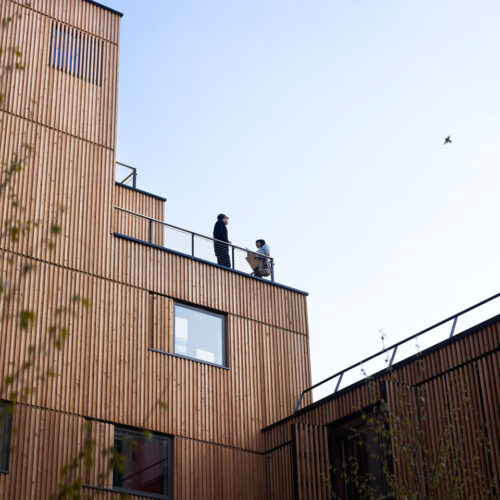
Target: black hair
{"points": [[262, 242], [221, 216]]}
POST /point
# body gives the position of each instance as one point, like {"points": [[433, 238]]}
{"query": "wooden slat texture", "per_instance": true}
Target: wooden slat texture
{"points": [[311, 462], [279, 469], [456, 382], [40, 434], [208, 286], [114, 376], [210, 472], [44, 95], [137, 227]]}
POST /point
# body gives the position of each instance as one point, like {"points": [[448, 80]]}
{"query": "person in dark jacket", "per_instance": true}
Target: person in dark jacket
{"points": [[220, 233]]}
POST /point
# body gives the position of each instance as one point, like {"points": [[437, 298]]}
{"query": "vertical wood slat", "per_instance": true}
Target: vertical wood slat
{"points": [[312, 462], [68, 104]]}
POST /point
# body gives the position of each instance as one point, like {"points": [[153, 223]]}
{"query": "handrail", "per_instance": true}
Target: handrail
{"points": [[393, 347], [193, 234], [132, 174]]}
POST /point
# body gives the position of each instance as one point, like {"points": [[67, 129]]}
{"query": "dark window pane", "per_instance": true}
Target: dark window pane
{"points": [[146, 462], [357, 459], [199, 334], [5, 418]]}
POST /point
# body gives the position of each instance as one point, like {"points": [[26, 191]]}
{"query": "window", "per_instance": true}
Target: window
{"points": [[199, 334], [357, 457], [76, 53], [147, 463], [5, 422]]}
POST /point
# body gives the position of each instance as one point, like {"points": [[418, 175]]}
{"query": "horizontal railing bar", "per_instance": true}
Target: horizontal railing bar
{"points": [[151, 219], [125, 165], [397, 344]]}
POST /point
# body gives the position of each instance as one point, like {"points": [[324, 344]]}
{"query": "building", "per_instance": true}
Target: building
{"points": [[209, 361]]}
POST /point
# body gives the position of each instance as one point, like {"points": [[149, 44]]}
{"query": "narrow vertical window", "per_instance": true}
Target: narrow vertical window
{"points": [[5, 428]]}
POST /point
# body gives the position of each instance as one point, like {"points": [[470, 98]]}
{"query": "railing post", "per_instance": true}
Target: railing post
{"points": [[338, 382], [232, 252], [150, 235], [453, 326], [272, 269], [134, 179], [192, 244], [393, 355]]}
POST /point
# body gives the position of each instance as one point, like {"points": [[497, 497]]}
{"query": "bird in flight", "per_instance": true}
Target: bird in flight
{"points": [[447, 140]]}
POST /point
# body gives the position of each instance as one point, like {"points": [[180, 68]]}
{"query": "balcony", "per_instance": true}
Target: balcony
{"points": [[138, 216]]}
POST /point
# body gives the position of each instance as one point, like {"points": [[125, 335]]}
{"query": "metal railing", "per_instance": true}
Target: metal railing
{"points": [[170, 237], [128, 175], [385, 358]]}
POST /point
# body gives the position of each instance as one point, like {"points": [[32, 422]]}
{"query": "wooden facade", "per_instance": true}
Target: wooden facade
{"points": [[109, 371], [457, 384], [233, 431]]}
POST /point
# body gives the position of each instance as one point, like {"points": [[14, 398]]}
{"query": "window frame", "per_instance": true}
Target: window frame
{"points": [[221, 315], [338, 432], [6, 431], [123, 431]]}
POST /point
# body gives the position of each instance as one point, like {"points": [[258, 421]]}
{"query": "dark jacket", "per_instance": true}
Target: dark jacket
{"points": [[220, 231]]}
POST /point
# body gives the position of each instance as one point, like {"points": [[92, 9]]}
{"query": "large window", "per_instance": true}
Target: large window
{"points": [[358, 459], [5, 421], [147, 463], [199, 334]]}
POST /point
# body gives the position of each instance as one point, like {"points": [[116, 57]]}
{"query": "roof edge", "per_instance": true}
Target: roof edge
{"points": [[105, 7]]}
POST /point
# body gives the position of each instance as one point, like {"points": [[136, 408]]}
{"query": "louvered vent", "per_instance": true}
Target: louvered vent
{"points": [[76, 53]]}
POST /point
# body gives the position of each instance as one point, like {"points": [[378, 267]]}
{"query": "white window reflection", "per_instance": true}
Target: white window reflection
{"points": [[199, 334]]}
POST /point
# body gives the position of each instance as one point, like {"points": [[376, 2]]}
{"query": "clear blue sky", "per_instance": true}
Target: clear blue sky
{"points": [[319, 126]]}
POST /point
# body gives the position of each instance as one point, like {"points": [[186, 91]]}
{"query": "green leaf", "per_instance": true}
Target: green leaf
{"points": [[26, 318]]}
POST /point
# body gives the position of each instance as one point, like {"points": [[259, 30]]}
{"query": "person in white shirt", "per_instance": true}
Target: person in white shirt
{"points": [[263, 269]]}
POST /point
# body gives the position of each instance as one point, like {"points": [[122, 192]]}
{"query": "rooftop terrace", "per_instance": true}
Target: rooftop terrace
{"points": [[155, 232]]}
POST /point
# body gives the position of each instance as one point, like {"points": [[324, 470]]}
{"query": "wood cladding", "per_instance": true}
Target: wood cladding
{"points": [[138, 227], [44, 95], [457, 382], [209, 471], [138, 202], [198, 283], [65, 181], [107, 371], [76, 53]]}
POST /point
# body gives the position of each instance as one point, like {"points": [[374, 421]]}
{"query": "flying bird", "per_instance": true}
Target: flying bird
{"points": [[447, 140]]}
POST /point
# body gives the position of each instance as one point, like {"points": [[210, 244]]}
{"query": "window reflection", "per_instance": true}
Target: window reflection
{"points": [[199, 334]]}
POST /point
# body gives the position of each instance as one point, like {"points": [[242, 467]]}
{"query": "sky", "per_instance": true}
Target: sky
{"points": [[319, 127]]}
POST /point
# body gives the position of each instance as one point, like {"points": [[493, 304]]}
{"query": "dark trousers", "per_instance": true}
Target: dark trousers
{"points": [[222, 254]]}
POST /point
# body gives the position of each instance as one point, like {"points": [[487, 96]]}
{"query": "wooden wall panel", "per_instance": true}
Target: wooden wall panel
{"points": [[76, 194], [459, 387], [44, 95], [208, 472], [311, 462], [90, 18], [140, 203], [208, 286], [107, 371], [489, 388], [137, 227], [45, 441], [280, 474]]}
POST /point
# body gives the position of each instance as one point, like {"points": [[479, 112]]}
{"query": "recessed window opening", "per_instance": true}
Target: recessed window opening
{"points": [[199, 334], [76, 53], [358, 458], [5, 428], [147, 463]]}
